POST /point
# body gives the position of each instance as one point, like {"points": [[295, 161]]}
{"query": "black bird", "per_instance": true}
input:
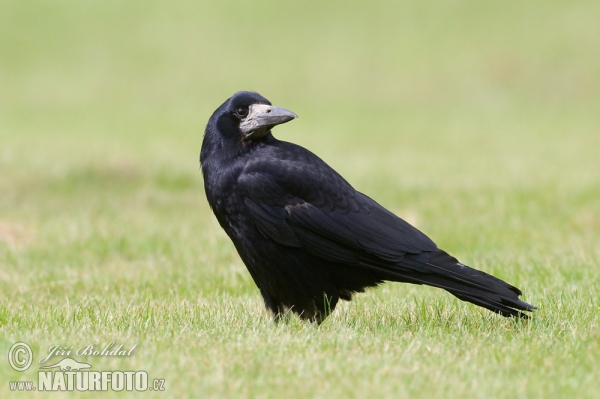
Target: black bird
{"points": [[307, 237]]}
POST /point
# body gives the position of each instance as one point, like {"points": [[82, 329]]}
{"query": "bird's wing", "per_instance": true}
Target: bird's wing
{"points": [[309, 205]]}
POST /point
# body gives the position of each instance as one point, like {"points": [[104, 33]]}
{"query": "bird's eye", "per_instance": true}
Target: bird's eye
{"points": [[241, 112]]}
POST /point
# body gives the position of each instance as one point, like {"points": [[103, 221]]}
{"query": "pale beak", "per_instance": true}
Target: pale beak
{"points": [[262, 118]]}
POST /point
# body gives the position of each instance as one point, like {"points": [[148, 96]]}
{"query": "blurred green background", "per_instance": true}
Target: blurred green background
{"points": [[477, 121]]}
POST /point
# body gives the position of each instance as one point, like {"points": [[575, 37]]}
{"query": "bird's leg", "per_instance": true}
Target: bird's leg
{"points": [[328, 305], [277, 309], [319, 318], [281, 316]]}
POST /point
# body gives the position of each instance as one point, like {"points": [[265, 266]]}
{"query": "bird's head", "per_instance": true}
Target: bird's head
{"points": [[249, 116]]}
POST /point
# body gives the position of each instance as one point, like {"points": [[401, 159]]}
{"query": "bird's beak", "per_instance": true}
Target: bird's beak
{"points": [[262, 117]]}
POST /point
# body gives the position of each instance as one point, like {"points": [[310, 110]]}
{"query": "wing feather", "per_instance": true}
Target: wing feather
{"points": [[328, 217]]}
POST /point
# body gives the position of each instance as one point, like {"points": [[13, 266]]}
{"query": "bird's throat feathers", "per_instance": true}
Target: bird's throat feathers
{"points": [[226, 149]]}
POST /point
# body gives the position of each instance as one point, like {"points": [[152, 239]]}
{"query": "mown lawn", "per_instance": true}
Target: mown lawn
{"points": [[477, 122]]}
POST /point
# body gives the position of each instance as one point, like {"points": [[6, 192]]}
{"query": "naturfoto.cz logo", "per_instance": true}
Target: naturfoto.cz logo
{"points": [[69, 374]]}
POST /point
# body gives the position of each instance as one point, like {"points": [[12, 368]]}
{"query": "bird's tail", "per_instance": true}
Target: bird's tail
{"points": [[441, 270]]}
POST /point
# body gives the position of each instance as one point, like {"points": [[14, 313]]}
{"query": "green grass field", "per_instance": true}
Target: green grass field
{"points": [[478, 122]]}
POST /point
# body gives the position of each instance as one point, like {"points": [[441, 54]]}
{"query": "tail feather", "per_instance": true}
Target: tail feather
{"points": [[438, 269], [494, 306]]}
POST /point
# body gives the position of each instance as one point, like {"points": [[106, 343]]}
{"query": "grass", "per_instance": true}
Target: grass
{"points": [[477, 122]]}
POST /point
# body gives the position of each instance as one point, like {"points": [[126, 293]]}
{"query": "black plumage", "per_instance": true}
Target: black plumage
{"points": [[307, 237]]}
